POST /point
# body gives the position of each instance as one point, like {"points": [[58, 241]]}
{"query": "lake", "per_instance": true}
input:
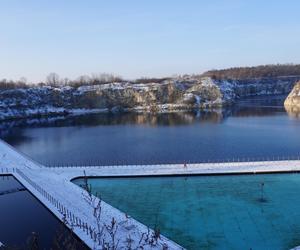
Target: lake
{"points": [[255, 128]]}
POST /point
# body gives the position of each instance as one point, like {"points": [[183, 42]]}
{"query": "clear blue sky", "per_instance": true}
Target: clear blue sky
{"points": [[144, 38]]}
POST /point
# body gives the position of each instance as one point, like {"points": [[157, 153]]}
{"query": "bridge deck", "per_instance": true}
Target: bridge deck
{"points": [[180, 169]]}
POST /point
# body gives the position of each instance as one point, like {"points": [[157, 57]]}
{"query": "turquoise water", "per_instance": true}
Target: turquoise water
{"points": [[212, 212]]}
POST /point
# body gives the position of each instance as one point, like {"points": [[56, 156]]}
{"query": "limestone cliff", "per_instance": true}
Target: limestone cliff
{"points": [[181, 93], [292, 102]]}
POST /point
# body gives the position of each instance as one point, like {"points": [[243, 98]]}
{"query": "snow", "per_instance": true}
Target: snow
{"points": [[115, 86], [160, 108], [87, 111], [1, 244], [207, 81], [179, 169], [190, 97], [227, 89], [49, 110], [198, 99], [11, 159]]}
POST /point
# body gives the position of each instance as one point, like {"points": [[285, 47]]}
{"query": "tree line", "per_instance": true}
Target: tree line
{"points": [[54, 80], [241, 73], [237, 73]]}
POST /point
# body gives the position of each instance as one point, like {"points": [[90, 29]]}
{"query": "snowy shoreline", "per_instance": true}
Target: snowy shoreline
{"points": [[173, 95], [61, 113]]}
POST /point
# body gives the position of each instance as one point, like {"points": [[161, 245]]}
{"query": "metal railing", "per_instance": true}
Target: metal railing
{"points": [[68, 217], [211, 161], [6, 171]]}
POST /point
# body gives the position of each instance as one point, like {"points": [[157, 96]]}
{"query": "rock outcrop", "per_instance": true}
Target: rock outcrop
{"points": [[183, 93], [292, 102]]}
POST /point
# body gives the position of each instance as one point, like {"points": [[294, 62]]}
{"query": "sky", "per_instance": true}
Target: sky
{"points": [[139, 38]]}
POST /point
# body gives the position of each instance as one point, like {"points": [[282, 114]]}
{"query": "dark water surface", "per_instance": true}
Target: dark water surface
{"points": [[254, 128], [21, 215]]}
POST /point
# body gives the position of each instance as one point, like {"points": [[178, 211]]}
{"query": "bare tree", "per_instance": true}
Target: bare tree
{"points": [[84, 79], [53, 79], [22, 80], [66, 81]]}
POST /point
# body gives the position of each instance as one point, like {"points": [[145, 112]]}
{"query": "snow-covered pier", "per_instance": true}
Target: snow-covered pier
{"points": [[96, 222], [254, 167]]}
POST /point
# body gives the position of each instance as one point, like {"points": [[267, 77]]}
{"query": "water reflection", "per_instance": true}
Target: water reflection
{"points": [[26, 224], [251, 128], [293, 112], [259, 106]]}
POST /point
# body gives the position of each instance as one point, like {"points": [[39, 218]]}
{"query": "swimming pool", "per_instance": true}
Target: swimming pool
{"points": [[212, 212]]}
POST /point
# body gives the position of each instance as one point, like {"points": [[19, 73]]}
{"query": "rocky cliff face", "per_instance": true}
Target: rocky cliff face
{"points": [[292, 102], [171, 95]]}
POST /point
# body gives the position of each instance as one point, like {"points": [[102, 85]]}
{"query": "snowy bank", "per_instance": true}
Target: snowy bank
{"points": [[175, 94]]}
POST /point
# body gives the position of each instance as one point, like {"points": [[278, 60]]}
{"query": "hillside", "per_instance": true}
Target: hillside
{"points": [[174, 94], [292, 102], [263, 71]]}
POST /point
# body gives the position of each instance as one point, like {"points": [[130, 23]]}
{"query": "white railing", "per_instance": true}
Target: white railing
{"points": [[215, 161], [67, 214]]}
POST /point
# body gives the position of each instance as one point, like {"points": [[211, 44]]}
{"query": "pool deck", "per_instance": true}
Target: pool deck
{"points": [[72, 205], [180, 169]]}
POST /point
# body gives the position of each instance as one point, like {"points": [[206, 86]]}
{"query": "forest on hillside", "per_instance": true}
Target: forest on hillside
{"points": [[237, 73], [242, 73]]}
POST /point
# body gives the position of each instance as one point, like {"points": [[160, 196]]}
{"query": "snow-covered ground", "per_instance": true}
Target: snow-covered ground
{"points": [[80, 211], [180, 169]]}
